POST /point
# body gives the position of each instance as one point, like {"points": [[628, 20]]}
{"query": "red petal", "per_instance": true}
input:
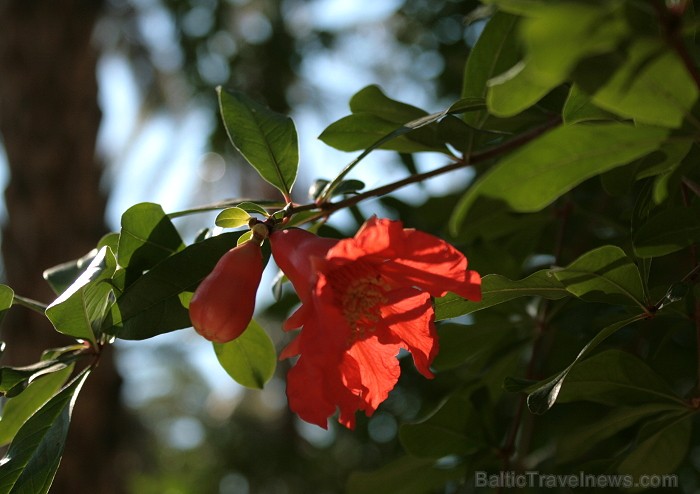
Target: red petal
{"points": [[409, 318], [306, 393], [294, 250], [379, 369], [433, 265], [322, 380], [291, 350], [297, 319], [377, 238]]}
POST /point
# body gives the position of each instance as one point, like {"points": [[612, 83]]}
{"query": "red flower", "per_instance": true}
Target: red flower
{"points": [[363, 299]]}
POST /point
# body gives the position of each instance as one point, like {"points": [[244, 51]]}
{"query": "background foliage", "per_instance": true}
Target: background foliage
{"points": [[579, 121]]}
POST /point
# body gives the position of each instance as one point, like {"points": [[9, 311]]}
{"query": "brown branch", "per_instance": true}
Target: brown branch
{"points": [[671, 23], [327, 208]]}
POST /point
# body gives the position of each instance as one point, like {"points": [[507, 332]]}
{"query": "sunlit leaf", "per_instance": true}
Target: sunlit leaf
{"points": [[497, 289], [652, 86], [555, 40], [252, 207], [538, 173], [245, 237], [13, 380], [80, 309], [16, 411], [232, 218], [32, 459], [7, 296], [250, 359], [266, 139], [62, 276], [514, 91]]}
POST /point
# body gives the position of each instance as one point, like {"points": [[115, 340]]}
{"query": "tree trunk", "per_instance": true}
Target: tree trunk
{"points": [[49, 118]]}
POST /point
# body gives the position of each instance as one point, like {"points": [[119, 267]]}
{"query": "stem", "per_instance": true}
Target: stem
{"points": [[691, 185], [540, 346], [696, 318], [671, 24], [29, 304], [516, 142], [228, 203], [685, 188]]}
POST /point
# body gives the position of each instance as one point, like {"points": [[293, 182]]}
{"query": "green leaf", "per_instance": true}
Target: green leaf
{"points": [[250, 359], [661, 446], [558, 37], [110, 240], [454, 428], [497, 289], [669, 231], [652, 86], [7, 297], [372, 127], [344, 187], [579, 108], [406, 475], [473, 345], [32, 459], [524, 8], [266, 139], [555, 40], [80, 310], [535, 175], [62, 276], [372, 100], [544, 394], [252, 207], [582, 439], [232, 218], [495, 51], [514, 91], [13, 380], [147, 237], [604, 275], [152, 305], [671, 153], [17, 410], [369, 132], [615, 378]]}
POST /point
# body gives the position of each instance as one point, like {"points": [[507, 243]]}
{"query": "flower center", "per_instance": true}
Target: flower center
{"points": [[359, 292]]}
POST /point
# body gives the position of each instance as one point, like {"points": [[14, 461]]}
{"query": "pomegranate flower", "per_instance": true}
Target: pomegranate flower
{"points": [[363, 299]]}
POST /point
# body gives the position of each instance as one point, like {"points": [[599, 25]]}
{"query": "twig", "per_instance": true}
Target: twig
{"points": [[671, 24], [29, 304], [328, 208]]}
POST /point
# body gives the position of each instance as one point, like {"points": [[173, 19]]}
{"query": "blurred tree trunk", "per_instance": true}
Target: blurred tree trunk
{"points": [[49, 118]]}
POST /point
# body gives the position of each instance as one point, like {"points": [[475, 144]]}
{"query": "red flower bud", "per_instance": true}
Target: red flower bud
{"points": [[223, 304]]}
